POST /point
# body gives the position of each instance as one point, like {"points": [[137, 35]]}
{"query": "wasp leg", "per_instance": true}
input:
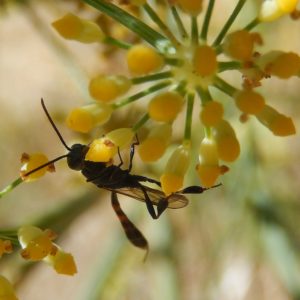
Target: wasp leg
{"points": [[132, 150], [131, 231], [161, 205], [120, 157], [144, 178], [196, 189]]}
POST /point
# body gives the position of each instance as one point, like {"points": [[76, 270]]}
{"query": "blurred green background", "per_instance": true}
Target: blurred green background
{"points": [[238, 242]]}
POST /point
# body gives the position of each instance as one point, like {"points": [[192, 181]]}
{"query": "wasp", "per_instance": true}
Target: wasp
{"points": [[120, 181]]}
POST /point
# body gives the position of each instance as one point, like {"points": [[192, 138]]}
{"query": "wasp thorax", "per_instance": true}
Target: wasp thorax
{"points": [[76, 156]]}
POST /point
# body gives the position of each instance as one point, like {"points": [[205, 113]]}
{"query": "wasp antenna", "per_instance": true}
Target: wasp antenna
{"points": [[45, 165], [54, 126]]}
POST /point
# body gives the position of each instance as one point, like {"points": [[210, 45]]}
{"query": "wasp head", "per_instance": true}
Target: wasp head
{"points": [[75, 158]]}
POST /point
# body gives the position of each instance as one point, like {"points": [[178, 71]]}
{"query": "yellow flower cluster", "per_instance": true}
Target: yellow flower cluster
{"points": [[183, 66], [37, 245]]}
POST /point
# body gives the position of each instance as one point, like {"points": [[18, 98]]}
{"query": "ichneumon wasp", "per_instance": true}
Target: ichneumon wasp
{"points": [[120, 181]]}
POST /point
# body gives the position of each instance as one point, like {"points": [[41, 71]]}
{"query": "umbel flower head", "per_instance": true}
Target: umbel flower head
{"points": [[178, 68]]}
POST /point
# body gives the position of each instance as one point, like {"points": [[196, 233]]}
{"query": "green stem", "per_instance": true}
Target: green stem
{"points": [[178, 22], [204, 95], [252, 24], [194, 31], [229, 22], [229, 65], [157, 20], [207, 131], [189, 117], [152, 77], [112, 41], [224, 86], [11, 187], [14, 239], [173, 61], [206, 21], [140, 123], [134, 24], [139, 95]]}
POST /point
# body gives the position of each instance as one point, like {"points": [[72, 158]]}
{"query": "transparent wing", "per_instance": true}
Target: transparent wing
{"points": [[174, 200]]}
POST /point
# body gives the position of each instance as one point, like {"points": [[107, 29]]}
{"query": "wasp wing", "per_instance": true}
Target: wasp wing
{"points": [[174, 200]]}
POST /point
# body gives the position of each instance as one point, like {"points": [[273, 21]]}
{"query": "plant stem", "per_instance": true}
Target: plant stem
{"points": [[252, 24], [152, 77], [140, 123], [179, 23], [206, 21], [157, 20], [112, 41], [194, 31], [189, 117], [11, 187], [225, 87], [229, 22], [139, 95], [229, 65]]}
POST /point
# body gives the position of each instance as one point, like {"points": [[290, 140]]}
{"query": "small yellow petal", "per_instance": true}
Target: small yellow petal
{"points": [[165, 106], [107, 88], [171, 183], [249, 102], [101, 150], [142, 60], [31, 162], [121, 137], [239, 45], [227, 143], [62, 262], [192, 7], [212, 113], [85, 118]]}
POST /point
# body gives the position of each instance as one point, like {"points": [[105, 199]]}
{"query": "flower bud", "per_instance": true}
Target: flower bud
{"points": [[121, 137], [278, 123], [36, 244], [192, 7], [156, 143], [62, 262], [101, 150], [208, 168], [107, 88], [212, 113], [249, 102], [142, 60], [177, 165], [227, 143], [33, 161], [72, 27], [165, 107], [5, 247], [239, 45], [85, 118], [273, 9], [279, 63]]}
